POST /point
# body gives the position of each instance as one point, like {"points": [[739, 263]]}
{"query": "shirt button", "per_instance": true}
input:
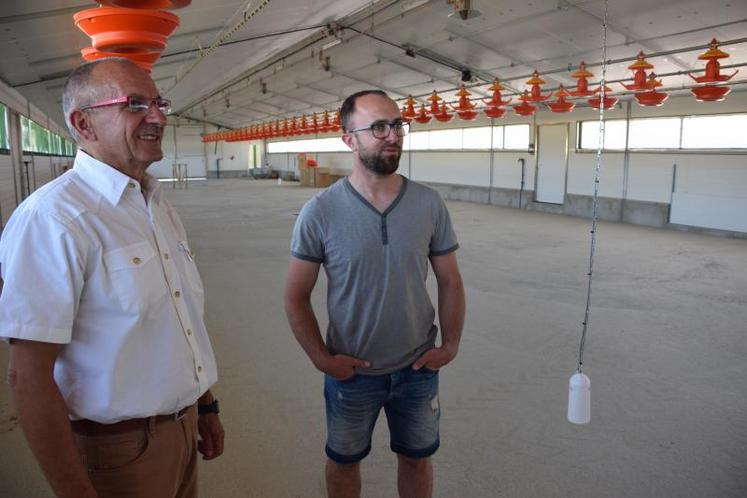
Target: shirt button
{"points": [[199, 369], [165, 255], [131, 185], [177, 294], [136, 260], [189, 331]]}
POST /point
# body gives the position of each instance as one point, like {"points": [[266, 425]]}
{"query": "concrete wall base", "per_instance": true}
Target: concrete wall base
{"points": [[652, 214]]}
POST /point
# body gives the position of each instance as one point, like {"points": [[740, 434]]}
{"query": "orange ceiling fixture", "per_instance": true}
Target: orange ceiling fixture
{"points": [[443, 115], [465, 109], [276, 131], [143, 59], [606, 102], [303, 128], [326, 125], [422, 116], [561, 105], [147, 4], [408, 110], [434, 98], [535, 94], [525, 108], [651, 98], [293, 129], [116, 29], [494, 107], [582, 87], [641, 81], [284, 131], [314, 128], [336, 126], [712, 93]]}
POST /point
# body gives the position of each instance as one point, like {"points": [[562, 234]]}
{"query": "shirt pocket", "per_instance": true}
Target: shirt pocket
{"points": [[136, 277]]}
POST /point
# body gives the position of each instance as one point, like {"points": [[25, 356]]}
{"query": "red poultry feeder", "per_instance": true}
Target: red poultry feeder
{"points": [[652, 98], [422, 116], [536, 91], [408, 110], [465, 109], [641, 82], [443, 115], [582, 87], [607, 103], [713, 68], [561, 105], [494, 112], [525, 108], [143, 59], [116, 29], [434, 108], [497, 99], [146, 4], [710, 93]]}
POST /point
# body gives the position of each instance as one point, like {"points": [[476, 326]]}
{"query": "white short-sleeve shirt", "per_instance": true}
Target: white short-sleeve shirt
{"points": [[91, 262]]}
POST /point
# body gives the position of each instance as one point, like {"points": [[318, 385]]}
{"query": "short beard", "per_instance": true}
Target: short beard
{"points": [[379, 164]]}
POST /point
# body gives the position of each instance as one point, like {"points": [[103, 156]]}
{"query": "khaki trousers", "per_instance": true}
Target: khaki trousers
{"points": [[157, 461]]}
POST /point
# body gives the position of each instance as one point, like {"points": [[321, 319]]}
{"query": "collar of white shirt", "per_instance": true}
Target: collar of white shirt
{"points": [[110, 182]]}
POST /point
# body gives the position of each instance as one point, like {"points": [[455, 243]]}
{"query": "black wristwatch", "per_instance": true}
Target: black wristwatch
{"points": [[209, 408]]}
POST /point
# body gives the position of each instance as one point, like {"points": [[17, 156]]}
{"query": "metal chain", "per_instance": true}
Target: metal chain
{"points": [[596, 189]]}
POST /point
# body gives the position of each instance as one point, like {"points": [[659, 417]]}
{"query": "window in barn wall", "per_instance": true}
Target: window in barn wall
{"points": [[445, 139], [477, 138], [4, 141], [656, 133], [516, 137], [715, 132], [614, 134]]}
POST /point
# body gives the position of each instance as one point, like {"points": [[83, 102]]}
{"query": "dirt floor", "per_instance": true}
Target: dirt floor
{"points": [[665, 353]]}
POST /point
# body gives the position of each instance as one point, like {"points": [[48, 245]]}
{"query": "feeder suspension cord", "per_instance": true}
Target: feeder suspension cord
{"points": [[594, 213]]}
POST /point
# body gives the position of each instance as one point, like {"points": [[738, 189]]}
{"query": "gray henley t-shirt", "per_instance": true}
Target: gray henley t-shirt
{"points": [[376, 264]]}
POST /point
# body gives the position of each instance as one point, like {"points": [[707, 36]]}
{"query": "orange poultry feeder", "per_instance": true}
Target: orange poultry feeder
{"points": [[652, 98], [582, 87], [336, 123], [535, 94], [465, 109], [561, 105], [422, 116], [497, 99], [641, 82], [147, 4], [525, 108], [303, 128], [143, 59], [314, 128], [408, 109], [712, 93], [293, 128], [434, 98], [494, 112], [443, 115], [116, 29], [326, 125], [606, 103]]}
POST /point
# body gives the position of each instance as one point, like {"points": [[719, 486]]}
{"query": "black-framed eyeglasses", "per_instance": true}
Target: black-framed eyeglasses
{"points": [[134, 104], [381, 129]]}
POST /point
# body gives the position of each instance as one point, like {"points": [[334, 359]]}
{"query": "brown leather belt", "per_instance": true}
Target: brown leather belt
{"points": [[91, 428]]}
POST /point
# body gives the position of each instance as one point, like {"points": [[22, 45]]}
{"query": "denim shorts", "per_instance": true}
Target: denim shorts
{"points": [[410, 400]]}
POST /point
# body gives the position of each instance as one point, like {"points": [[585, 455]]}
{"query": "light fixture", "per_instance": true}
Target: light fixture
{"points": [[331, 44]]}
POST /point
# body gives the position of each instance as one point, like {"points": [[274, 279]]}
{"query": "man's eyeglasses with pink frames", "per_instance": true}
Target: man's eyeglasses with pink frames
{"points": [[134, 104]]}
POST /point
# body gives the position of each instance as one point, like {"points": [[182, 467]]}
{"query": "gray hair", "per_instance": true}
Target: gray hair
{"points": [[80, 91]]}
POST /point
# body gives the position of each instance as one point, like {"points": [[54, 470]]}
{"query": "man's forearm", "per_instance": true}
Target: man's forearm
{"points": [[44, 419], [451, 309], [305, 328]]}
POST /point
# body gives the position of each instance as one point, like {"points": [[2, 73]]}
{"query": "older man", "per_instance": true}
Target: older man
{"points": [[375, 233], [110, 361]]}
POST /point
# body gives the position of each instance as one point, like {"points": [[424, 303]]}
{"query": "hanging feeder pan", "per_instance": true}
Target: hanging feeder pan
{"points": [[525, 109], [561, 106], [651, 99], [115, 29], [146, 4], [467, 115], [710, 93], [143, 59], [494, 112], [609, 102]]}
